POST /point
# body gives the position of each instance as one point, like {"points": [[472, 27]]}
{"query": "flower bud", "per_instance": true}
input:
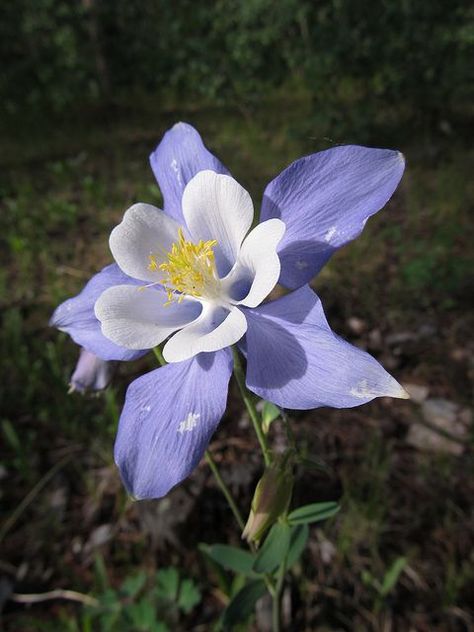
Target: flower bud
{"points": [[91, 373], [271, 499]]}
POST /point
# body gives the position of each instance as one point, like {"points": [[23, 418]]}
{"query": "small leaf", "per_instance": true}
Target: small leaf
{"points": [[274, 549], [270, 412], [243, 604], [230, 557], [132, 585], [313, 513], [142, 615], [189, 595], [167, 582], [221, 576], [392, 575], [298, 539]]}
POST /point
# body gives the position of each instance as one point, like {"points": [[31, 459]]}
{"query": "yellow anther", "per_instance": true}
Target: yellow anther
{"points": [[153, 265], [189, 269]]}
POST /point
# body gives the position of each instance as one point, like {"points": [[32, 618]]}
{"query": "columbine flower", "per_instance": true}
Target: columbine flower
{"points": [[194, 276], [91, 373]]}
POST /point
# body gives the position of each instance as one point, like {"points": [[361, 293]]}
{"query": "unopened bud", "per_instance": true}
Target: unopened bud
{"points": [[271, 499], [91, 373]]}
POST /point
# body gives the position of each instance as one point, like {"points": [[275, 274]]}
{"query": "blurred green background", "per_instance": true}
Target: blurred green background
{"points": [[86, 91]]}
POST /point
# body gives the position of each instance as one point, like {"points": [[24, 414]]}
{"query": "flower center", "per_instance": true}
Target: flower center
{"points": [[189, 269]]}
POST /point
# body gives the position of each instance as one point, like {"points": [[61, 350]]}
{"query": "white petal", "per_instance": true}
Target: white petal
{"points": [[258, 266], [144, 231], [137, 318], [215, 329], [215, 206]]}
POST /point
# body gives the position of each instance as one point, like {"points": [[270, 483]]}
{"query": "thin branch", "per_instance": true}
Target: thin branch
{"points": [[58, 593]]}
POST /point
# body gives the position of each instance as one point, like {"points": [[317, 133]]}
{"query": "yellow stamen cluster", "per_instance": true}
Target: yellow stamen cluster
{"points": [[189, 270]]}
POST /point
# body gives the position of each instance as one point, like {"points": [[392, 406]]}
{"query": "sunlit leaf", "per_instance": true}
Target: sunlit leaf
{"points": [[313, 513], [274, 549], [230, 557], [270, 412]]}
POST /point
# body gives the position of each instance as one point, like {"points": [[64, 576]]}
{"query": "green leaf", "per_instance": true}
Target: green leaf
{"points": [[222, 578], [313, 513], [270, 412], [230, 557], [243, 604], [101, 572], [274, 549], [143, 617], [392, 575], [167, 583], [132, 585], [298, 539], [189, 595]]}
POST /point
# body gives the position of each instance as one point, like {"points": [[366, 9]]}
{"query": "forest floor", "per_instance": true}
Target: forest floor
{"points": [[399, 555]]}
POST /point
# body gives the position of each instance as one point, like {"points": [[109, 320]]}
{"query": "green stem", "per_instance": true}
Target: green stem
{"points": [[235, 510], [239, 374], [289, 430], [159, 355], [276, 597], [225, 490], [252, 411]]}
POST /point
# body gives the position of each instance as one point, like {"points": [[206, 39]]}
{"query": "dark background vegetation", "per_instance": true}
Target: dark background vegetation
{"points": [[86, 90]]}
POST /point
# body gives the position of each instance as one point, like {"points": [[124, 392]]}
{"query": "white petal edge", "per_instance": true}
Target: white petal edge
{"points": [[257, 263], [145, 230], [212, 331], [137, 318], [215, 206]]}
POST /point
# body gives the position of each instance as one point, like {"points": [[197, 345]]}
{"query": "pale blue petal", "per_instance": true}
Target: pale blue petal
{"points": [[325, 200], [77, 318], [177, 159], [296, 361], [168, 420], [91, 373]]}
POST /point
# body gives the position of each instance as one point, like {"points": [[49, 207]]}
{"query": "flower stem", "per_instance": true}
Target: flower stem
{"points": [[212, 464], [159, 355], [276, 597], [252, 411], [225, 490]]}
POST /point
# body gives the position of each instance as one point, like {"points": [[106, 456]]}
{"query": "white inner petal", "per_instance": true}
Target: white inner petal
{"points": [[206, 270], [137, 318], [257, 269], [217, 327], [144, 232], [215, 206]]}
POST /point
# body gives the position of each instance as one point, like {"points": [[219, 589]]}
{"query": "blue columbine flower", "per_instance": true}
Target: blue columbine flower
{"points": [[196, 276]]}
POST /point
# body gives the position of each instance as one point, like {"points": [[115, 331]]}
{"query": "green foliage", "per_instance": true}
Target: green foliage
{"points": [[298, 538], [354, 58], [315, 512], [274, 550], [230, 557], [141, 605], [242, 605], [390, 578], [384, 587], [270, 413]]}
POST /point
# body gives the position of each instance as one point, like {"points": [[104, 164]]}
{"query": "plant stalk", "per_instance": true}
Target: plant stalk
{"points": [[276, 597], [249, 404], [225, 490]]}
